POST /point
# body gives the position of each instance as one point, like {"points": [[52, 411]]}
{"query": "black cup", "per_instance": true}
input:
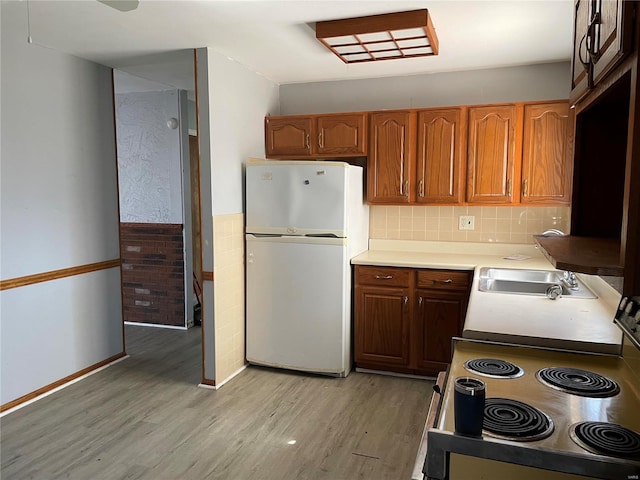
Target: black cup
{"points": [[468, 404]]}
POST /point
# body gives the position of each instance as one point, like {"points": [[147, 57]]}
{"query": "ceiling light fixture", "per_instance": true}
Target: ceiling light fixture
{"points": [[380, 37]]}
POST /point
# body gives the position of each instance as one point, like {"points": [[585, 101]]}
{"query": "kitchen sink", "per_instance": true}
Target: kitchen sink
{"points": [[531, 282]]}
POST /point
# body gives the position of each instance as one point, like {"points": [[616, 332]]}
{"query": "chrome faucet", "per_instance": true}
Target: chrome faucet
{"points": [[568, 277], [570, 280], [553, 231]]}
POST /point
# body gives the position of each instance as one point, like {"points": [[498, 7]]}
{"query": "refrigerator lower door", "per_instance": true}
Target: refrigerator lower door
{"points": [[298, 304]]}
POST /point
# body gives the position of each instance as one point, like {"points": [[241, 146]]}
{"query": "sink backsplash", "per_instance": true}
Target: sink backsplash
{"points": [[492, 224]]}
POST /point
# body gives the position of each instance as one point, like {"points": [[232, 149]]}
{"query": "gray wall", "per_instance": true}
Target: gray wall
{"points": [[149, 157], [239, 101], [58, 209], [549, 81]]}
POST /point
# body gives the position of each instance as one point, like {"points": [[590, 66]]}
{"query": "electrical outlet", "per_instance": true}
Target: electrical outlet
{"points": [[466, 222]]}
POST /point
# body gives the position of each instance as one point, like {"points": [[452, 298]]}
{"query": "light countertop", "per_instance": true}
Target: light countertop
{"points": [[568, 323]]}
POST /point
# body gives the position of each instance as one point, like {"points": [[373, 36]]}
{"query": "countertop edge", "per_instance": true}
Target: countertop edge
{"points": [[605, 348]]}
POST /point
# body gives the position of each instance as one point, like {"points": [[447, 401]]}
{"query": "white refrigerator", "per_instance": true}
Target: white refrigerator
{"points": [[305, 221]]}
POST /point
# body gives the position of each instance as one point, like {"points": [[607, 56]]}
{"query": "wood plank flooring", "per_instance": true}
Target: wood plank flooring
{"points": [[144, 418]]}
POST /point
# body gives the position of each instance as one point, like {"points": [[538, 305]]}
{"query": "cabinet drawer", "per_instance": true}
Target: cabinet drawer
{"points": [[381, 276], [444, 279]]}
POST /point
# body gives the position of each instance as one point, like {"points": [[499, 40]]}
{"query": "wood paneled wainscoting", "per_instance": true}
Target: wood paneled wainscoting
{"points": [[153, 273]]}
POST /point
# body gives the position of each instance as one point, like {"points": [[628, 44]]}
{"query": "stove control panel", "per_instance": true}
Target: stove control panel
{"points": [[628, 318]]}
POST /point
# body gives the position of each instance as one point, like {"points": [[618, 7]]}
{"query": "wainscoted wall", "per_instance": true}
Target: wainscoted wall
{"points": [[153, 273], [492, 224], [228, 269], [58, 211]]}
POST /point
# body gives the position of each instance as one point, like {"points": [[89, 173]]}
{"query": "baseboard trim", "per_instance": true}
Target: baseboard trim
{"points": [[394, 374], [47, 390], [206, 383], [207, 386], [230, 377], [155, 325]]}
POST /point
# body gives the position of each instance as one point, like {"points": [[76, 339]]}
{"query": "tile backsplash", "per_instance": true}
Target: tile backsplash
{"points": [[492, 224]]}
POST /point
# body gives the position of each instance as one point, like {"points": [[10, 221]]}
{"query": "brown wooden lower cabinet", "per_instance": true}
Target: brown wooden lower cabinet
{"points": [[439, 317], [405, 318], [383, 333]]}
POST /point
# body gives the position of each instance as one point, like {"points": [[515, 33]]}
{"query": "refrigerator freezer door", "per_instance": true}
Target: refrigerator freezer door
{"points": [[298, 304], [297, 198]]}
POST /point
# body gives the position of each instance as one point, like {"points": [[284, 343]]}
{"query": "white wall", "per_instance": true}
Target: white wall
{"points": [[239, 101], [149, 157], [58, 209], [231, 123], [549, 81]]}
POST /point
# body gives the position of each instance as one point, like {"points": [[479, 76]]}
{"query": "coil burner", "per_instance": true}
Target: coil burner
{"points": [[492, 367], [514, 420], [606, 439], [578, 382]]}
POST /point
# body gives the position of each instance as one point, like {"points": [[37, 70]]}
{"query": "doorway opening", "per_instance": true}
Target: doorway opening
{"points": [[159, 191]]}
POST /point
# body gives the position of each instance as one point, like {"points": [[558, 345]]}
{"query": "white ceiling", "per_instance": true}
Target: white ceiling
{"points": [[277, 38]]}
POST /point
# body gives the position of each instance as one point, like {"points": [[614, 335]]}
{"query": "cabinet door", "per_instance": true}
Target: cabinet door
{"points": [[546, 156], [288, 136], [491, 154], [612, 35], [439, 160], [389, 163], [342, 135], [439, 317], [382, 327], [580, 60]]}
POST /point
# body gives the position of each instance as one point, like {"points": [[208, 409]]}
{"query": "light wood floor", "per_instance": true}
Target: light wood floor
{"points": [[144, 418]]}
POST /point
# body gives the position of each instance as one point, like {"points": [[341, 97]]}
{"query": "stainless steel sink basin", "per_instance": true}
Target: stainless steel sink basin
{"points": [[530, 282]]}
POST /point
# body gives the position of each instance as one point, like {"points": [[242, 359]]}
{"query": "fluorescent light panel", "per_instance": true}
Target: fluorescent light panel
{"points": [[380, 37]]}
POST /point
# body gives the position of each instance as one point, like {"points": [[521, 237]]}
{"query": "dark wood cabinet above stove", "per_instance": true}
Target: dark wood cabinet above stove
{"points": [[605, 212], [602, 37]]}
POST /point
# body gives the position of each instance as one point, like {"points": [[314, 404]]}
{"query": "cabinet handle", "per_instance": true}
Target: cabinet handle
{"points": [[420, 302], [585, 65], [406, 188], [307, 142], [421, 188], [591, 37], [406, 302], [403, 184], [508, 187], [525, 187], [384, 277], [446, 282], [320, 140]]}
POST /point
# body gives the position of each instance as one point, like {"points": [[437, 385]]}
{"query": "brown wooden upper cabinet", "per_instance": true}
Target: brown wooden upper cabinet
{"points": [[431, 174], [491, 154], [390, 162], [602, 37], [439, 162], [547, 154], [288, 136], [316, 136]]}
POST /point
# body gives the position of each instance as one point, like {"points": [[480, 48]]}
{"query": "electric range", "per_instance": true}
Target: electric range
{"points": [[572, 414]]}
